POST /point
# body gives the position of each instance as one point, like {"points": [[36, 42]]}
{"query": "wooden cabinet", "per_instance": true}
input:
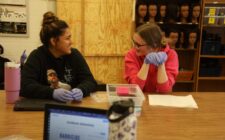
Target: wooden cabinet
{"points": [[211, 60]]}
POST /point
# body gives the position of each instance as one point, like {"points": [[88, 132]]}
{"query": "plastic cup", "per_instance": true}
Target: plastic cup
{"points": [[12, 82]]}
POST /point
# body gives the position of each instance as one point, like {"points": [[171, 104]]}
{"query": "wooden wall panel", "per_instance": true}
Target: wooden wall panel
{"points": [[107, 69], [107, 28], [101, 30], [70, 11]]}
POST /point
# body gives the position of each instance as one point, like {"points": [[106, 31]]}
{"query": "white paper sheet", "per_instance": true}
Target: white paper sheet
{"points": [[172, 101]]}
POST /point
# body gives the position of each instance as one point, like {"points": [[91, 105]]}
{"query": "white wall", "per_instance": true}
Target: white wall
{"points": [[14, 46]]}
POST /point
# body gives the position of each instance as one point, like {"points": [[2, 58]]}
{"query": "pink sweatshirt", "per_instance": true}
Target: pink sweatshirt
{"points": [[133, 65]]}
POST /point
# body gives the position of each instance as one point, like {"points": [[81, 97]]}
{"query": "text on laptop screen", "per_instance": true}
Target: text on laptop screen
{"points": [[77, 125]]}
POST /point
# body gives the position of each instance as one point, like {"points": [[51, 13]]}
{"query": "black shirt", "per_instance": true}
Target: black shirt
{"points": [[71, 69]]}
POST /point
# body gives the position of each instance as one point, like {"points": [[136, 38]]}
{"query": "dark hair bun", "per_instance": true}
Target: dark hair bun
{"points": [[48, 18]]}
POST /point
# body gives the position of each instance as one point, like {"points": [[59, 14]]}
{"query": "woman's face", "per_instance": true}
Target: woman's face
{"points": [[192, 38], [174, 38], [141, 46], [196, 11], [152, 9], [184, 11], [62, 44], [142, 10], [163, 10]]}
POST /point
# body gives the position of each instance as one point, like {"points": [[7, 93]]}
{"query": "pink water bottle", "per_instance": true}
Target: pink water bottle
{"points": [[12, 82]]}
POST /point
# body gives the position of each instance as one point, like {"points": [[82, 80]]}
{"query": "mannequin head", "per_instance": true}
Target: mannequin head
{"points": [[142, 10], [161, 14], [152, 10], [192, 38], [162, 11], [184, 13], [173, 36], [195, 13]]}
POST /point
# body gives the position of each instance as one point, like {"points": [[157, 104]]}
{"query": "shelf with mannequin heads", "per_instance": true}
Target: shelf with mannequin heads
{"points": [[167, 12], [178, 34]]}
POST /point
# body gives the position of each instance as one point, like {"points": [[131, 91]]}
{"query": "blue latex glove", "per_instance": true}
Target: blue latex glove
{"points": [[155, 58], [63, 95], [77, 94]]}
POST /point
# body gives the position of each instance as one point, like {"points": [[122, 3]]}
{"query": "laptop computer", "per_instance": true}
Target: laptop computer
{"points": [[29, 104], [75, 123]]}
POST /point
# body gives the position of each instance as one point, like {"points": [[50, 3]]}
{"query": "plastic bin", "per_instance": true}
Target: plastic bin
{"points": [[133, 89]]}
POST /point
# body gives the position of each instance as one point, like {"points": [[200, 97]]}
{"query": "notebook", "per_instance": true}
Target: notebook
{"points": [[63, 122], [29, 104]]}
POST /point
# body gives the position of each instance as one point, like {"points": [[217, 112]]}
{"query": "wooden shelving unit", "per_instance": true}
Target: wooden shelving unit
{"points": [[211, 60]]}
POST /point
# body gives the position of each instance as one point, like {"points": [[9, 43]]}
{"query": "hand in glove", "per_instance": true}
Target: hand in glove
{"points": [[77, 94], [155, 58], [63, 95]]}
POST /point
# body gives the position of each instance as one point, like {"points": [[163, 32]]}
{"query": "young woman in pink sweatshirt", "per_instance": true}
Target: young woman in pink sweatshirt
{"points": [[151, 63]]}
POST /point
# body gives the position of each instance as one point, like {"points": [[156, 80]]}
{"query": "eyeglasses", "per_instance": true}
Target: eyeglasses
{"points": [[135, 44]]}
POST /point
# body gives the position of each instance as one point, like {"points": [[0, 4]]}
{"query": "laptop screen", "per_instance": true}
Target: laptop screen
{"points": [[75, 123]]}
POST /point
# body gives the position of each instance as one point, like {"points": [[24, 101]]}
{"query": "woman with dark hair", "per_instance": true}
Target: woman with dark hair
{"points": [[161, 14], [56, 54], [184, 13], [140, 13], [191, 39], [195, 13], [151, 63], [152, 12], [174, 38]]}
